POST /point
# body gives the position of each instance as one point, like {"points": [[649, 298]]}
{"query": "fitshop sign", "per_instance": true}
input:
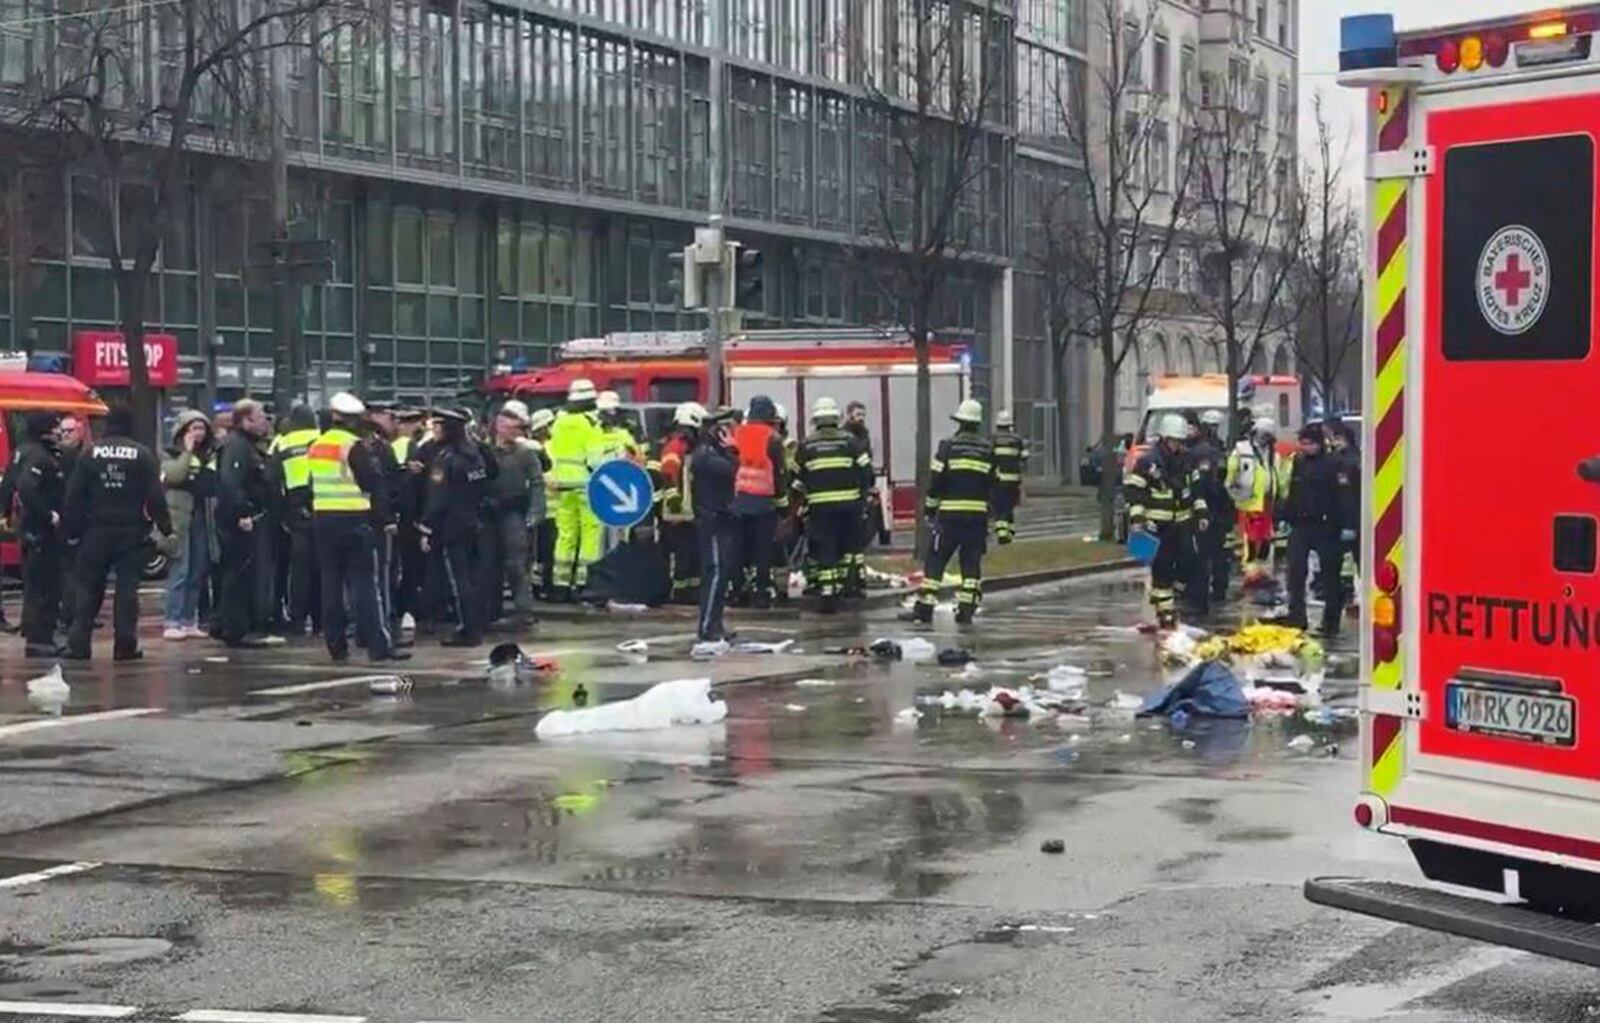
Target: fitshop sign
{"points": [[100, 358]]}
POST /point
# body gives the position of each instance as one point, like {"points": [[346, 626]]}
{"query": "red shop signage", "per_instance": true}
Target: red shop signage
{"points": [[100, 358]]}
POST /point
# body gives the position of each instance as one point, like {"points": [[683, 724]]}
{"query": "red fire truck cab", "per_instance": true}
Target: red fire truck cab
{"points": [[23, 392]]}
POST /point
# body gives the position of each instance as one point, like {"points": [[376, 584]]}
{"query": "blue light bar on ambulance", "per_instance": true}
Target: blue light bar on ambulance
{"points": [[1366, 41]]}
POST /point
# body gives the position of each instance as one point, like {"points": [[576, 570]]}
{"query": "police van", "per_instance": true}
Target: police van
{"points": [[1480, 734]]}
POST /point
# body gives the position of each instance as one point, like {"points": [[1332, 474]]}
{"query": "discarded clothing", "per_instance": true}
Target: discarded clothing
{"points": [[1208, 690]]}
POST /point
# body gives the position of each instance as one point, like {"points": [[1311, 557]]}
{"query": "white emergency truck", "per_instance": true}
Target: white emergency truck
{"points": [[1480, 733]]}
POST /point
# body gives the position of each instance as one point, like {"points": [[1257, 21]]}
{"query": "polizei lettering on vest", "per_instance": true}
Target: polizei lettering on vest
{"points": [[118, 451], [1542, 622]]}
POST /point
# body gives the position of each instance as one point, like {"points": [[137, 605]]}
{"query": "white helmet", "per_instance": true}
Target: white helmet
{"points": [[1211, 417], [1266, 424], [581, 389], [541, 419], [346, 404], [824, 408], [969, 411], [515, 409], [1173, 427], [608, 401], [690, 413], [779, 413], [1003, 418]]}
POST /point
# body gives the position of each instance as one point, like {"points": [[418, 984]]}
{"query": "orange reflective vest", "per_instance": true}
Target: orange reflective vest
{"points": [[757, 475]]}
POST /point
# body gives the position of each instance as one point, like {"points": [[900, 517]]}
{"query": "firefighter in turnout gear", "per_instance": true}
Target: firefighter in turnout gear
{"points": [[1010, 452], [348, 494], [1162, 498], [677, 504], [834, 473], [574, 435], [958, 502]]}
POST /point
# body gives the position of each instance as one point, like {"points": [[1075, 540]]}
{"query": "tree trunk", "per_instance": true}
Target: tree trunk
{"points": [[133, 291], [1108, 438], [924, 434], [1066, 457]]}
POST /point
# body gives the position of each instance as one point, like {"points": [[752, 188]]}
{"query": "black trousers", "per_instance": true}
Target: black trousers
{"points": [[304, 589], [41, 588], [758, 531], [410, 567], [1172, 568], [105, 548], [69, 584], [544, 553], [718, 540], [1211, 565], [237, 595], [460, 572], [961, 536], [683, 547], [1305, 537], [349, 563], [264, 607], [830, 531]]}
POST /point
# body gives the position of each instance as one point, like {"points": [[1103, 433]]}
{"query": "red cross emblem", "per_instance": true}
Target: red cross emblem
{"points": [[1513, 280]]}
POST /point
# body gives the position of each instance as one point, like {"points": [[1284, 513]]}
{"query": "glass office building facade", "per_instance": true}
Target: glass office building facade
{"points": [[499, 177]]}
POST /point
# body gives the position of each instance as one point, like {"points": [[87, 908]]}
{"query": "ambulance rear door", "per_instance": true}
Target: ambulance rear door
{"points": [[1503, 629]]}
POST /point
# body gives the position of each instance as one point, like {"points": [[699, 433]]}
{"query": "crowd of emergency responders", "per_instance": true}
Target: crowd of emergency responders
{"points": [[377, 522]]}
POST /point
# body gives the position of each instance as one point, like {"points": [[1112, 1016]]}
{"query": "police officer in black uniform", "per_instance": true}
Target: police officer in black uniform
{"points": [[451, 520], [1210, 467], [958, 503], [113, 496], [835, 473], [1010, 452], [243, 500], [710, 477], [41, 492], [382, 428], [1315, 510]]}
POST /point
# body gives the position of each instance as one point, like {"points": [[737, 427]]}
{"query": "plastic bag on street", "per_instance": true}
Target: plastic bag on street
{"points": [[684, 701], [706, 649], [913, 648]]}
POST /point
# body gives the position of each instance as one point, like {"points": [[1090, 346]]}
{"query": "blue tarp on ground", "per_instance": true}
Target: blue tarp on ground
{"points": [[1209, 690]]}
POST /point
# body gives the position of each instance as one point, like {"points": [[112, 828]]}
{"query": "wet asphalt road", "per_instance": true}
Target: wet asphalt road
{"points": [[252, 836]]}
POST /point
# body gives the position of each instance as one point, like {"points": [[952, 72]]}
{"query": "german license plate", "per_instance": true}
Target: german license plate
{"points": [[1511, 713]]}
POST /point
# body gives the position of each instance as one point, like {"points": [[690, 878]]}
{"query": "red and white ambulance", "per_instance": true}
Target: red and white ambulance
{"points": [[1480, 735]]}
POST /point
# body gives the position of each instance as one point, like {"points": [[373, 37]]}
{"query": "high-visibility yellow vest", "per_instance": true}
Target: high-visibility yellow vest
{"points": [[572, 436], [401, 446], [612, 442], [333, 488], [293, 446]]}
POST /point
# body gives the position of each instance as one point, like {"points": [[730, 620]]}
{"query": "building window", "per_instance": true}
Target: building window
{"points": [[1187, 80], [1132, 57], [1261, 18], [1159, 71], [1285, 24], [1160, 156], [1258, 100], [1285, 108]]}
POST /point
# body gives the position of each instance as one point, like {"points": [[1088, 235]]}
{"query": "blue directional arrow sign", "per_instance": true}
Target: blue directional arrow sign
{"points": [[619, 493]]}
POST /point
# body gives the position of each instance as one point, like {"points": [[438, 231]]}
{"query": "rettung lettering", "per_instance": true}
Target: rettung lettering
{"points": [[1544, 622]]}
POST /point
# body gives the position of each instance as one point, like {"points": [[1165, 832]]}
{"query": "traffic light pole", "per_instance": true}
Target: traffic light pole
{"points": [[714, 290]]}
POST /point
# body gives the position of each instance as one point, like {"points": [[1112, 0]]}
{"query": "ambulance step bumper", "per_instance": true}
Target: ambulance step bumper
{"points": [[1498, 924]]}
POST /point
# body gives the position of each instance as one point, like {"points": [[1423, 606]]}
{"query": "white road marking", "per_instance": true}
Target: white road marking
{"points": [[61, 870], [73, 1010], [22, 727], [312, 687], [228, 1016]]}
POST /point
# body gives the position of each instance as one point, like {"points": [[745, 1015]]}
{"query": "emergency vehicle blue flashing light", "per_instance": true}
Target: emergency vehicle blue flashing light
{"points": [[1366, 41]]}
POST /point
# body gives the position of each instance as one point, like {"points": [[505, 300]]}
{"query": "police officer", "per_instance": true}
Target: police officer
{"points": [[410, 563], [1210, 581], [505, 562], [1342, 448], [710, 482], [1162, 499], [113, 497], [72, 437], [291, 470], [761, 490], [41, 495], [677, 506], [1010, 452], [539, 520], [835, 473], [242, 505], [348, 493], [573, 436], [451, 522], [382, 428], [1315, 509], [958, 503]]}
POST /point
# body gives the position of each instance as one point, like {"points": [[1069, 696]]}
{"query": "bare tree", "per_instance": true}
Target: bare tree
{"points": [[132, 94], [930, 130], [1107, 235], [1325, 288], [1247, 216]]}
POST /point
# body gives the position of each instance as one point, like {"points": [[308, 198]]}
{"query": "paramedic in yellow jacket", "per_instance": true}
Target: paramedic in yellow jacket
{"points": [[613, 439], [1252, 482], [574, 437]]}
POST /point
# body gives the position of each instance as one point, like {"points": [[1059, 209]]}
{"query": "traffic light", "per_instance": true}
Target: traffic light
{"points": [[749, 277], [685, 279]]}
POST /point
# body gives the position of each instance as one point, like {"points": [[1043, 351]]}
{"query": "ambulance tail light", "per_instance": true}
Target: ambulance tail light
{"points": [[1386, 614], [1534, 43]]}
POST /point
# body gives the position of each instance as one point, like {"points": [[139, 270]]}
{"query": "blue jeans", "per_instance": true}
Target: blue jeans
{"points": [[187, 575]]}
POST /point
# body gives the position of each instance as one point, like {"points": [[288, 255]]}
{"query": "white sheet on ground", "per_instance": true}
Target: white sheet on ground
{"points": [[684, 701]]}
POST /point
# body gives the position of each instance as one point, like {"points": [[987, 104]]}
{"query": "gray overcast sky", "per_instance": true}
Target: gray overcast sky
{"points": [[1319, 51]]}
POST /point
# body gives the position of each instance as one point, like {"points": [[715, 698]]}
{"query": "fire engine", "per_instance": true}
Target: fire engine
{"points": [[1480, 699], [653, 371]]}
